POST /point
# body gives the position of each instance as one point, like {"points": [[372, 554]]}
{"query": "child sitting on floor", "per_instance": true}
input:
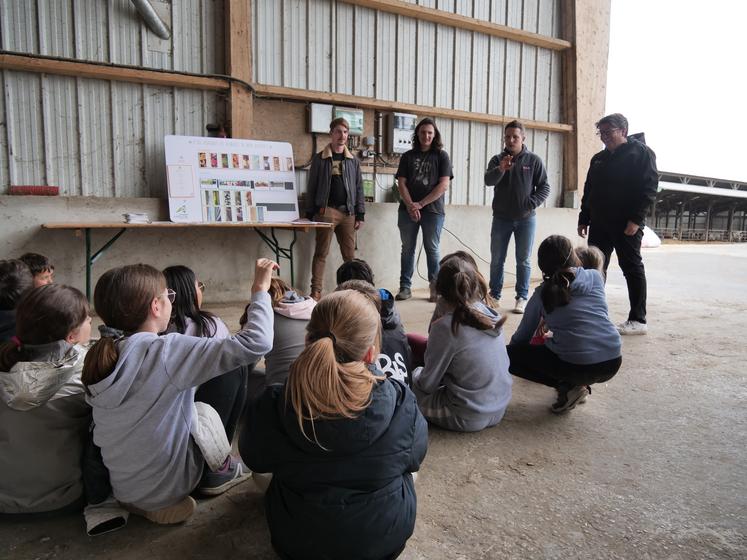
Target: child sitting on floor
{"points": [[591, 258], [44, 416], [341, 441], [225, 393], [40, 266], [585, 347], [141, 387], [464, 385]]}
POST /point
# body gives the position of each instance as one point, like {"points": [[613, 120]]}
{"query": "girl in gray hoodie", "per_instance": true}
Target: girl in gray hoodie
{"points": [[465, 384], [141, 388], [582, 346]]}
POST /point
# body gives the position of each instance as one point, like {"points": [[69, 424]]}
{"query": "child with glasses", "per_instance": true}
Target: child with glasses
{"points": [[225, 393], [154, 438], [341, 440]]}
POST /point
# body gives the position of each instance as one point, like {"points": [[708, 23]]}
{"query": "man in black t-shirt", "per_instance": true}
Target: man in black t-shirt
{"points": [[422, 178], [334, 195]]}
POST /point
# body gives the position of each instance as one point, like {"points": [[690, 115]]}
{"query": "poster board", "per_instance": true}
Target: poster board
{"points": [[222, 180]]}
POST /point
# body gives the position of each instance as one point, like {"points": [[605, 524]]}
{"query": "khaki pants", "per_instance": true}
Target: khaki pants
{"points": [[344, 229]]}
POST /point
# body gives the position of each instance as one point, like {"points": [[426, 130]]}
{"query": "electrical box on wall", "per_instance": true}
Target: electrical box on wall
{"points": [[400, 128], [354, 118], [320, 116]]}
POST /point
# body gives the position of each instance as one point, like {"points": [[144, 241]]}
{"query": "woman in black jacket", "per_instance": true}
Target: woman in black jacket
{"points": [[341, 441]]}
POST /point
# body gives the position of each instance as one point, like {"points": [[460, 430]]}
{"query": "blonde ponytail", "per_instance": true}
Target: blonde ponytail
{"points": [[330, 378]]}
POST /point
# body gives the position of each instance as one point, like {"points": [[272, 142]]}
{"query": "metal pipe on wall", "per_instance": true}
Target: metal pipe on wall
{"points": [[152, 19]]}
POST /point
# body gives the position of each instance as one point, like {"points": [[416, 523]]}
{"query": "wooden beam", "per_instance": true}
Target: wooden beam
{"points": [[278, 92], [110, 72], [462, 22], [239, 65]]}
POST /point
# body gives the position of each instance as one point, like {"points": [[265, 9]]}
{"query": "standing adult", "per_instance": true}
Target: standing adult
{"points": [[422, 178], [620, 186], [335, 196], [520, 182]]}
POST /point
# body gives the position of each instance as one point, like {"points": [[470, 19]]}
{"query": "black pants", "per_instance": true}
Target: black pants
{"points": [[226, 394], [95, 474], [541, 365], [628, 249]]}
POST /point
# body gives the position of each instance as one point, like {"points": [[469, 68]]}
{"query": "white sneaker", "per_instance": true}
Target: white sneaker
{"points": [[520, 305], [632, 327]]}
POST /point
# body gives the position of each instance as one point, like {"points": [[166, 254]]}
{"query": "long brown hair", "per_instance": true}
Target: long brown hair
{"points": [[122, 299], [555, 258], [45, 314], [459, 283], [330, 379]]}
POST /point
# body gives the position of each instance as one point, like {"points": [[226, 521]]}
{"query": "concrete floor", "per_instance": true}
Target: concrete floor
{"points": [[651, 467]]}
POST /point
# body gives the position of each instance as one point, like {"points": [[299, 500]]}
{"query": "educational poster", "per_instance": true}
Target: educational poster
{"points": [[225, 180]]}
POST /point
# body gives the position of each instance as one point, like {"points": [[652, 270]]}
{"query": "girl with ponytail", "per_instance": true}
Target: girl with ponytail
{"points": [[141, 387], [464, 385], [582, 346], [341, 441]]}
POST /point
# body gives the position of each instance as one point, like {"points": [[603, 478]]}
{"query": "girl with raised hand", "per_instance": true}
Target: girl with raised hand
{"points": [[585, 347], [141, 387], [341, 441], [464, 385]]}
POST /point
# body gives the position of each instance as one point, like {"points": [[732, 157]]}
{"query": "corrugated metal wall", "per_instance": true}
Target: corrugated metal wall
{"points": [[328, 45], [95, 137]]}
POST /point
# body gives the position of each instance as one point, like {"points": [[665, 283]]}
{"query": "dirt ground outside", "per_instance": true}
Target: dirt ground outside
{"points": [[653, 466]]}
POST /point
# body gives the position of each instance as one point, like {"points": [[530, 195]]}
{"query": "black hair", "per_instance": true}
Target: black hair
{"points": [[556, 257], [437, 144], [182, 280], [458, 282], [355, 269], [37, 263], [15, 280], [615, 120]]}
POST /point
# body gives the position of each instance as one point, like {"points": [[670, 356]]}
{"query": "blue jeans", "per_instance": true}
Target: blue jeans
{"points": [[431, 225], [500, 234]]}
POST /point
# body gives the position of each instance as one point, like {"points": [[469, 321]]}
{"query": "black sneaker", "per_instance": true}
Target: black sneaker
{"points": [[567, 400], [404, 293]]}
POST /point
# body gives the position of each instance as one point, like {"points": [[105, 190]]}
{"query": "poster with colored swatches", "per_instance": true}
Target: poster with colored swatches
{"points": [[234, 181]]}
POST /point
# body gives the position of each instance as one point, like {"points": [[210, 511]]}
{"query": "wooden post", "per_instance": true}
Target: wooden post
{"points": [[239, 65]]}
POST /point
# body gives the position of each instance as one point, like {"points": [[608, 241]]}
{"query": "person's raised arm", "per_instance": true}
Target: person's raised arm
{"points": [[530, 320], [494, 173]]}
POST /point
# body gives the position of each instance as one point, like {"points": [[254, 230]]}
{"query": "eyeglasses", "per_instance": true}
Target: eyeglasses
{"points": [[171, 294], [606, 132], [201, 286]]}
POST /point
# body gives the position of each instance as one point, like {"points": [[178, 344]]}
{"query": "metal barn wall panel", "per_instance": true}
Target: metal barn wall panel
{"points": [[344, 50], [269, 42], [159, 111], [129, 151], [25, 143], [425, 90], [4, 177], [61, 148], [113, 31], [320, 45], [364, 68], [407, 59], [294, 43], [386, 56], [444, 65], [462, 69], [96, 145], [478, 162], [493, 146], [460, 162]]}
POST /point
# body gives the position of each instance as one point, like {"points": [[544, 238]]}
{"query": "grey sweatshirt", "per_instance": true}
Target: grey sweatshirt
{"points": [[473, 366], [582, 332], [143, 410]]}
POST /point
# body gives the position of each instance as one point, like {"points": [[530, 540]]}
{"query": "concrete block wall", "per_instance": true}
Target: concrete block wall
{"points": [[223, 258]]}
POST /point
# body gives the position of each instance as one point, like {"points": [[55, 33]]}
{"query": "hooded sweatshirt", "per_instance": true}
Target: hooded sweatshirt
{"points": [[351, 498], [582, 332], [292, 314], [143, 410], [395, 358], [472, 366], [44, 422]]}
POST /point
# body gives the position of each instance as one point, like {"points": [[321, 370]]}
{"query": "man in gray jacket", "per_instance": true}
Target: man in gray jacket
{"points": [[334, 195], [520, 182]]}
